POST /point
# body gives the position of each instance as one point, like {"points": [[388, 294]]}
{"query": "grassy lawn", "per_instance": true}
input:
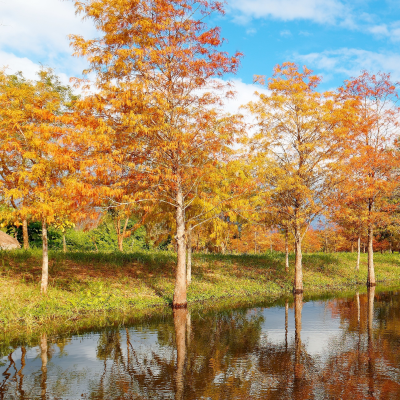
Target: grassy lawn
{"points": [[93, 289]]}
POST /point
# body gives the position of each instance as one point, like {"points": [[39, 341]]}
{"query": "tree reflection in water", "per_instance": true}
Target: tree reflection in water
{"points": [[43, 357], [180, 319], [226, 355]]}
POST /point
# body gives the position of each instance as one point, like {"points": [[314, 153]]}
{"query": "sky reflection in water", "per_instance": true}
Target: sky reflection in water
{"points": [[345, 348]]}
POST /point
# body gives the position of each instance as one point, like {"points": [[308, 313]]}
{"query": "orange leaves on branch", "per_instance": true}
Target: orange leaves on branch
{"points": [[34, 134], [155, 63]]}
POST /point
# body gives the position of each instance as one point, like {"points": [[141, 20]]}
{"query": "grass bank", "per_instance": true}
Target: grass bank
{"points": [[95, 289]]}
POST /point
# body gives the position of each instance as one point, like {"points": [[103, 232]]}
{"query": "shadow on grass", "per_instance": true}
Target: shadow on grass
{"points": [[73, 269]]}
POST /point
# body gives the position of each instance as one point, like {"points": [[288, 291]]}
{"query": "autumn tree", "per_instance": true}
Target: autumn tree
{"points": [[372, 165], [36, 161], [348, 212], [294, 149], [156, 62]]}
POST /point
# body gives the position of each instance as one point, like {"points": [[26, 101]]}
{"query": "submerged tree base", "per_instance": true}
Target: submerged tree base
{"points": [[179, 306]]}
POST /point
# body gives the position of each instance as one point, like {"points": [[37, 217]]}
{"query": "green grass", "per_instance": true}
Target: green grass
{"points": [[91, 289]]}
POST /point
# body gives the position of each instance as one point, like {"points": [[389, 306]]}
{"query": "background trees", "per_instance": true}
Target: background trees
{"points": [[35, 150], [149, 141], [295, 148], [371, 164]]}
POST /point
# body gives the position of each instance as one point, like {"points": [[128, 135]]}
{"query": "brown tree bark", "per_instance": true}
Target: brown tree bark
{"points": [[43, 356], [179, 299], [286, 251], [45, 261], [298, 268], [64, 244], [371, 271], [189, 256], [180, 318], [25, 233], [121, 235], [326, 242], [358, 253]]}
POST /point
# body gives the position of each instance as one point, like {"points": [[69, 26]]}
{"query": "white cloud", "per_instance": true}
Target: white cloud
{"points": [[379, 29], [14, 64], [285, 33], [39, 29], [244, 94], [321, 11], [350, 62], [29, 69], [391, 31], [39, 25], [333, 12], [251, 31]]}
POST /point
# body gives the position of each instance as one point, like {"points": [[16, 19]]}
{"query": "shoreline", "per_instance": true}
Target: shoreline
{"points": [[93, 291]]}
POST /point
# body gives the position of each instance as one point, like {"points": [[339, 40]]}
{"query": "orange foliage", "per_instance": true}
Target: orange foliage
{"points": [[156, 63]]}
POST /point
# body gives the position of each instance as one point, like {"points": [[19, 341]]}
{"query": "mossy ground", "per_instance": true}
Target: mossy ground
{"points": [[96, 289]]}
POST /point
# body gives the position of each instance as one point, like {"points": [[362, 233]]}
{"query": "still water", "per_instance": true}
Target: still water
{"points": [[342, 348]]}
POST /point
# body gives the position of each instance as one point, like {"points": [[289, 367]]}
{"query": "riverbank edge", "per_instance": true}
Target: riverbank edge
{"points": [[19, 334]]}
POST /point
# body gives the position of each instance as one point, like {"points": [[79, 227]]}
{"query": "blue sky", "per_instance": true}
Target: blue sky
{"points": [[335, 38]]}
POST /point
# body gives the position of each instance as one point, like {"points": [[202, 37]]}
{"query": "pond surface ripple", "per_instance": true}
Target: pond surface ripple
{"points": [[342, 348]]}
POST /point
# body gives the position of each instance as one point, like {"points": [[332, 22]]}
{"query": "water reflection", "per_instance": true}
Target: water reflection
{"points": [[346, 348], [180, 319]]}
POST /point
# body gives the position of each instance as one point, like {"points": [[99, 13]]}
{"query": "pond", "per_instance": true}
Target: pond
{"points": [[342, 348]]}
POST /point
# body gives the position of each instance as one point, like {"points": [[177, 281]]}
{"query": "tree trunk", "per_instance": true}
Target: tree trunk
{"points": [[222, 247], [45, 263], [121, 235], [25, 233], [179, 299], [352, 247], [286, 252], [43, 356], [298, 268], [189, 257], [371, 271], [180, 318], [64, 244], [120, 243], [358, 253]]}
